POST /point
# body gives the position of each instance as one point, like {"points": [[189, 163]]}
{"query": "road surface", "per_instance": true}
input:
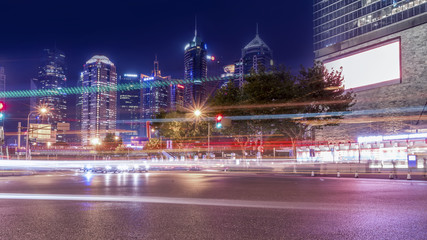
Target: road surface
{"points": [[189, 205]]}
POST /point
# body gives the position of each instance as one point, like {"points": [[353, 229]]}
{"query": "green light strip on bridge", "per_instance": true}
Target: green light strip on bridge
{"points": [[97, 89]]}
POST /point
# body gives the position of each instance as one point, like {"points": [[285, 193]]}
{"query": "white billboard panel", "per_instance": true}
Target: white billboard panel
{"points": [[371, 67]]}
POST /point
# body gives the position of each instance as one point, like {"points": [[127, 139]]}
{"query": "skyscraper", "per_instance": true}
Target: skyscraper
{"points": [[2, 79], [155, 97], [99, 103], [338, 21], [195, 71], [128, 106], [381, 47], [51, 76], [256, 55], [177, 97]]}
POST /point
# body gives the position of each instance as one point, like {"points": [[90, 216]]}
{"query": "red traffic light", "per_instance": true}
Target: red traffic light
{"points": [[2, 106], [218, 118]]}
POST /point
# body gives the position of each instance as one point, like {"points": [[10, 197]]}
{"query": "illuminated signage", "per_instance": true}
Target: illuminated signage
{"points": [[371, 67], [369, 139], [148, 78], [131, 75], [180, 86]]}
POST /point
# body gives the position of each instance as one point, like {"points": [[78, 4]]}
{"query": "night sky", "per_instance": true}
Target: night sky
{"points": [[130, 33]]}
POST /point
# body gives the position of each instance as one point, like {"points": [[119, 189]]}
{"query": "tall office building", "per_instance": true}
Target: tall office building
{"points": [[79, 100], [177, 97], [155, 97], [195, 71], [256, 56], [98, 106], [381, 47], [2, 79], [51, 76], [128, 106]]}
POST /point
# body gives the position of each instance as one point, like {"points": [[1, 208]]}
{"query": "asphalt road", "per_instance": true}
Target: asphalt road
{"points": [[210, 206]]}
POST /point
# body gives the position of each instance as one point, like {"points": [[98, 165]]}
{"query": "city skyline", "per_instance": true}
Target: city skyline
{"points": [[135, 54]]}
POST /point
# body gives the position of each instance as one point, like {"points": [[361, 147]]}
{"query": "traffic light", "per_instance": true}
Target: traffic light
{"points": [[2, 107], [218, 119]]}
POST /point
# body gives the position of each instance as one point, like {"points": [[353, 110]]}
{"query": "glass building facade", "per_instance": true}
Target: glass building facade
{"points": [[2, 79], [339, 20], [128, 107], [256, 55], [99, 107], [51, 76], [195, 70]]}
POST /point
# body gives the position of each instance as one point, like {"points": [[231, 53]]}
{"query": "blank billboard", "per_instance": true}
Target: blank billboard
{"points": [[371, 67]]}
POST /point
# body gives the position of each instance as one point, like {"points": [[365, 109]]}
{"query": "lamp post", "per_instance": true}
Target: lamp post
{"points": [[41, 111], [199, 113], [95, 142]]}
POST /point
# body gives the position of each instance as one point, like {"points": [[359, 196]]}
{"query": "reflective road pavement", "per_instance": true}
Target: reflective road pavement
{"points": [[198, 205]]}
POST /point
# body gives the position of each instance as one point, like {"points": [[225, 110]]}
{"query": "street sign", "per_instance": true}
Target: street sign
{"points": [[412, 161]]}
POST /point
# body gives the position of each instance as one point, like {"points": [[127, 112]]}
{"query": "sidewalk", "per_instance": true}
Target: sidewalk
{"points": [[354, 170]]}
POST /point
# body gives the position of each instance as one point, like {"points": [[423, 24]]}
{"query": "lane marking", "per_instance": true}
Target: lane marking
{"points": [[184, 201]]}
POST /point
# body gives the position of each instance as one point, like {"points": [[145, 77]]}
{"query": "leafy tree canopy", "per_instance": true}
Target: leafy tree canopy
{"points": [[312, 90]]}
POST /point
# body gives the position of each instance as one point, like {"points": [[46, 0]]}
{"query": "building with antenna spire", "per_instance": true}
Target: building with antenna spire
{"points": [[256, 55], [195, 71], [155, 97]]}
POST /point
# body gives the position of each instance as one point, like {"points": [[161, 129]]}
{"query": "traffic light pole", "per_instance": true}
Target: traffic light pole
{"points": [[27, 152], [209, 139]]}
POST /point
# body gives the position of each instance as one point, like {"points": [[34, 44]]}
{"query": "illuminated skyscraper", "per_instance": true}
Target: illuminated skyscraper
{"points": [[338, 21], [195, 71], [177, 93], [156, 95], [99, 106], [51, 76], [2, 79], [128, 106], [256, 55]]}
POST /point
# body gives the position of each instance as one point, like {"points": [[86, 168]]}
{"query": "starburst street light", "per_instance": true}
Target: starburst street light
{"points": [[197, 113], [95, 141], [42, 110]]}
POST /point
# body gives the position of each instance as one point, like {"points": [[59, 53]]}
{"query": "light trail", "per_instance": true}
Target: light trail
{"points": [[181, 201], [291, 116]]}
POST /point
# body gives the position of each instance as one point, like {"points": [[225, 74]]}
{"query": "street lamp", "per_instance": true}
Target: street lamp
{"points": [[95, 142], [42, 111], [198, 113]]}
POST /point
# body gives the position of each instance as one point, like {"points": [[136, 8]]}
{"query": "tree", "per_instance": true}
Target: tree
{"points": [[153, 144], [180, 127], [110, 142], [279, 92]]}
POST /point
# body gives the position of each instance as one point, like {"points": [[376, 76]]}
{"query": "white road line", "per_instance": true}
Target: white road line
{"points": [[182, 201]]}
